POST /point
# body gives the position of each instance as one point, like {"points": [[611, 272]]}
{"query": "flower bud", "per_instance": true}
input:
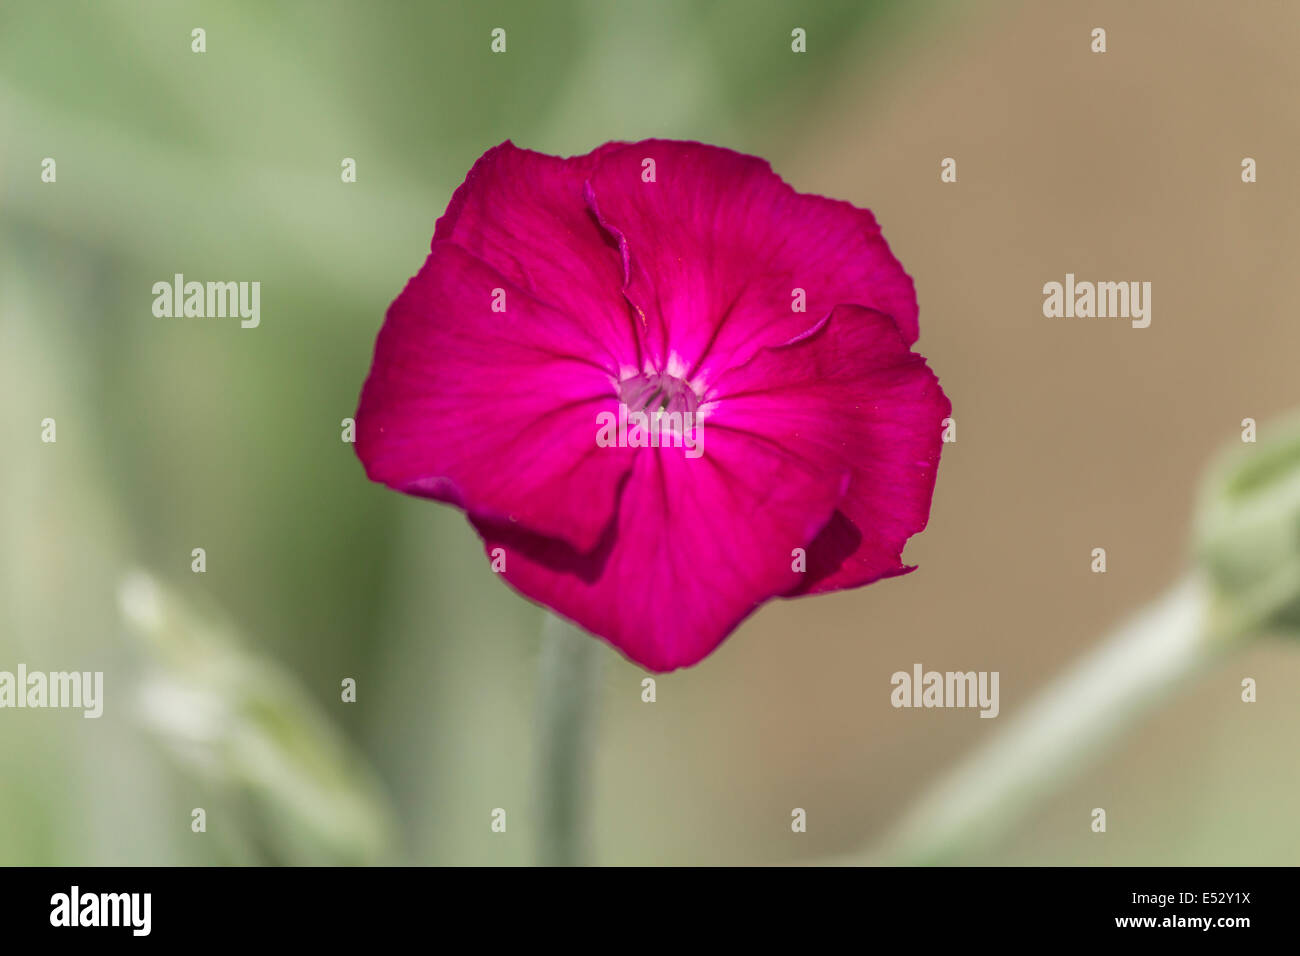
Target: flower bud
{"points": [[1247, 534]]}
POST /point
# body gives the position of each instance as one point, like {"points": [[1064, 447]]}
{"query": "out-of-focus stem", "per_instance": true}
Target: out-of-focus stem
{"points": [[1051, 736], [567, 708]]}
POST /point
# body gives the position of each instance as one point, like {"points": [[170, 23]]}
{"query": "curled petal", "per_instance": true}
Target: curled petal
{"points": [[724, 257], [523, 213]]}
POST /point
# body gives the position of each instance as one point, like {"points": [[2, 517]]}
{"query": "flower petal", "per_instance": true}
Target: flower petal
{"points": [[524, 214], [696, 546], [492, 411], [856, 370], [718, 244]]}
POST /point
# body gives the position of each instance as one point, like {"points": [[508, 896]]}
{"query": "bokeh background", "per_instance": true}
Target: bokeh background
{"points": [[223, 688]]}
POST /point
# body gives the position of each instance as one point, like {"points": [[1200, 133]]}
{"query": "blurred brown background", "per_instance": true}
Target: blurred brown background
{"points": [[1072, 433]]}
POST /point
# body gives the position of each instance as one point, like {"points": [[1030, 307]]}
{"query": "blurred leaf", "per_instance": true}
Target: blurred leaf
{"points": [[243, 726]]}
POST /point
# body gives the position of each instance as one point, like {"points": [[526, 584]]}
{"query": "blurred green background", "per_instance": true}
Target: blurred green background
{"points": [[223, 688]]}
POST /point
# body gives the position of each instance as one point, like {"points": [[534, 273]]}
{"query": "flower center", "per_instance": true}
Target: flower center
{"points": [[652, 392]]}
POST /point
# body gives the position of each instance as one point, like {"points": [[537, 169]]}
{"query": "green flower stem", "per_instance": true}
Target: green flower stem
{"points": [[568, 706], [987, 792]]}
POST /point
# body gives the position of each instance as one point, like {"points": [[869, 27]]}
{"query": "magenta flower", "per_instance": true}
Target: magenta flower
{"points": [[567, 304]]}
